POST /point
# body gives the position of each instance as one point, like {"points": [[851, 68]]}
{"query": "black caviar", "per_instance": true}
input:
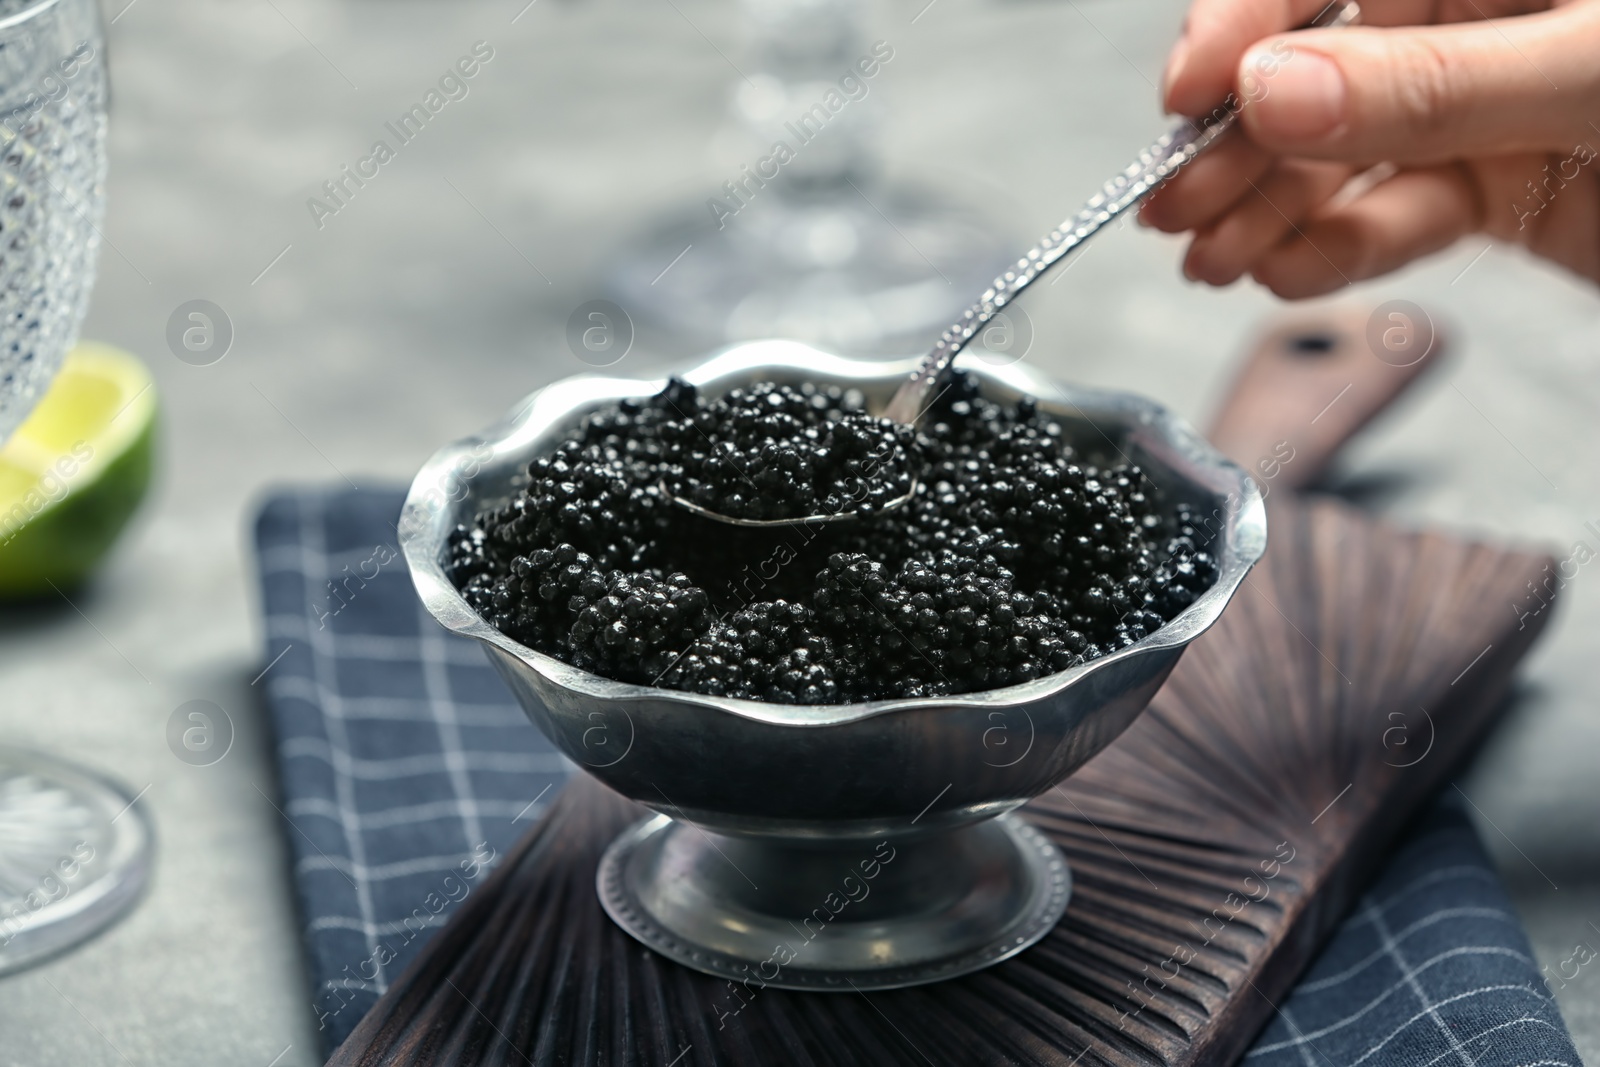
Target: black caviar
{"points": [[1015, 558]]}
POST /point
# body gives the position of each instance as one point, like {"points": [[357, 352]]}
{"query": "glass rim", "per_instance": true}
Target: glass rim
{"points": [[27, 14]]}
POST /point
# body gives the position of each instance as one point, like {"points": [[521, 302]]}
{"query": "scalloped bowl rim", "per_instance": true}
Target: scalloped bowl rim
{"points": [[422, 538]]}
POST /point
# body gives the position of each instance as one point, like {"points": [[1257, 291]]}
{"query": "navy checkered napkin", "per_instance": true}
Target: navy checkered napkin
{"points": [[407, 770], [1432, 967]]}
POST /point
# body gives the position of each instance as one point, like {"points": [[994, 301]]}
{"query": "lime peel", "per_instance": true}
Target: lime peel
{"points": [[74, 472]]}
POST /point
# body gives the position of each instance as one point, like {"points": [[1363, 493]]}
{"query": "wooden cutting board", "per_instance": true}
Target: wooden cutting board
{"points": [[1213, 846]]}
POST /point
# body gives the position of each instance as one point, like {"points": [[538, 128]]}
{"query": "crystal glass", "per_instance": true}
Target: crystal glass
{"points": [[74, 848], [808, 241], [52, 188]]}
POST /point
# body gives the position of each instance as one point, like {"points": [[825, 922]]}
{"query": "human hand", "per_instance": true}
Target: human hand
{"points": [[1473, 116]]}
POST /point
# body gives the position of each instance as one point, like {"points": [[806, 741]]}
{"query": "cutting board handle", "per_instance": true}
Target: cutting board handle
{"points": [[1313, 380]]}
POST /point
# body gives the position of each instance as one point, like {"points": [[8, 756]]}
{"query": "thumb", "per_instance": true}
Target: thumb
{"points": [[1426, 94]]}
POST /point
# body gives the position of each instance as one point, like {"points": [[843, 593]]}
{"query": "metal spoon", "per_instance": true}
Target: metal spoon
{"points": [[1154, 166]]}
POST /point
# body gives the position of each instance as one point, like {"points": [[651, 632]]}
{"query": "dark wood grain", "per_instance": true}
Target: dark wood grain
{"points": [[1273, 749]]}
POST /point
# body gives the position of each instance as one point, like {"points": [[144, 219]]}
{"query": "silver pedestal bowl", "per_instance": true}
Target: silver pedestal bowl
{"points": [[853, 846]]}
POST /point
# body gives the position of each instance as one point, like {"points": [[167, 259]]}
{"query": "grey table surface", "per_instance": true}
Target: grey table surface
{"points": [[410, 318]]}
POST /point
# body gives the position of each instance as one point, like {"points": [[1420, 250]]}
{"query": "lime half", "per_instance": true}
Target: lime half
{"points": [[74, 472]]}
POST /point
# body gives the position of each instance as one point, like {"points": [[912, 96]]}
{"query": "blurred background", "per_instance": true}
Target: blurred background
{"points": [[575, 167]]}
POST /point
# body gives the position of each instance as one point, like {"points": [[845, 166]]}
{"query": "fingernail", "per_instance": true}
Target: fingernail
{"points": [[1175, 62], [1299, 98]]}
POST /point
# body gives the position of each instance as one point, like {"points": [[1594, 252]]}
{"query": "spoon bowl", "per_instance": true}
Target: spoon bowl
{"points": [[803, 521]]}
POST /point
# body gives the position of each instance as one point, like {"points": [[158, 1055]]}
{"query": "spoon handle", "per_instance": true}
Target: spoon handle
{"points": [[1147, 173]]}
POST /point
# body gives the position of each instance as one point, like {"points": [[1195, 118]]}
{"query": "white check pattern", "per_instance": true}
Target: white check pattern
{"points": [[1433, 968]]}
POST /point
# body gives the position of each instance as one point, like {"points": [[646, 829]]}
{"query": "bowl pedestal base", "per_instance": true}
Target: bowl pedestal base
{"points": [[848, 915]]}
